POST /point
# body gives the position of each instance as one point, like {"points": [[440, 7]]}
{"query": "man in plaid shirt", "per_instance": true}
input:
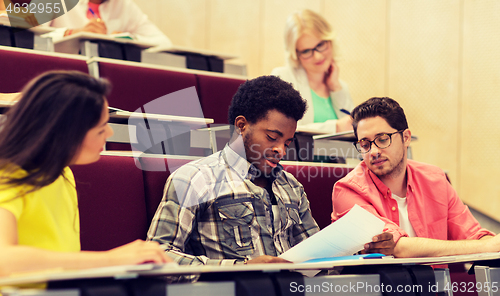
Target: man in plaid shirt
{"points": [[238, 205]]}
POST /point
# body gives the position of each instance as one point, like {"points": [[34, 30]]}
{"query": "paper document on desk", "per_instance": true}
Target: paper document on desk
{"points": [[344, 237]]}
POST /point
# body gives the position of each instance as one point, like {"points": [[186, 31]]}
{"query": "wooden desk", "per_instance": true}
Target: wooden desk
{"points": [[366, 284], [28, 36], [81, 43], [147, 130]]}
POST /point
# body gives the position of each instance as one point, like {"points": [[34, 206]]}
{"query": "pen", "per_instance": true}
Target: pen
{"points": [[94, 15], [345, 111]]}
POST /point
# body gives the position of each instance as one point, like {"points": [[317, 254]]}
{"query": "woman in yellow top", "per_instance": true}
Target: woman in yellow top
{"points": [[312, 70], [61, 119]]}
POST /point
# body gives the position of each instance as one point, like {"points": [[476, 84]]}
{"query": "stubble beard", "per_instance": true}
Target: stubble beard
{"points": [[396, 170]]}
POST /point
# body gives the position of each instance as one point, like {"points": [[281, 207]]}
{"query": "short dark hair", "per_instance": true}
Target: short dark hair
{"points": [[256, 97], [43, 132], [384, 107]]}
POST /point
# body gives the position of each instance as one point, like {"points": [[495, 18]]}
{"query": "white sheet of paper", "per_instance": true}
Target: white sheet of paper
{"points": [[344, 237]]}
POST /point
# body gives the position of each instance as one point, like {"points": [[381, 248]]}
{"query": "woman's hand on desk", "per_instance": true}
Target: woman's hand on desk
{"points": [[93, 26], [137, 252]]}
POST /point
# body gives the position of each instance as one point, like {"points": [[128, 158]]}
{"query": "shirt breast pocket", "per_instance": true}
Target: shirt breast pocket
{"points": [[236, 217], [293, 215]]}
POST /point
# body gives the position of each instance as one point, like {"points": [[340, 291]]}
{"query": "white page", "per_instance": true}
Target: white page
{"points": [[344, 237]]}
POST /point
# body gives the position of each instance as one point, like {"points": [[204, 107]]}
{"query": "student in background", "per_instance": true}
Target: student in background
{"points": [[238, 205], [6, 7], [61, 119], [311, 68], [108, 17], [418, 204]]}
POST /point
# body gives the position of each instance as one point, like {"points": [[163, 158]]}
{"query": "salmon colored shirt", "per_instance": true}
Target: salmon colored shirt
{"points": [[434, 209]]}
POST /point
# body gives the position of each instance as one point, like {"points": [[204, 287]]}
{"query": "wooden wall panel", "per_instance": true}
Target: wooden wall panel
{"points": [[361, 29], [234, 27], [184, 22], [480, 165], [424, 76]]}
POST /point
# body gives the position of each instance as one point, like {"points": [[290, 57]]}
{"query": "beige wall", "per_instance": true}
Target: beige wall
{"points": [[439, 59]]}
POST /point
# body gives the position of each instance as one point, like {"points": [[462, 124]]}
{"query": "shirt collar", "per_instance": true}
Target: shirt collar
{"points": [[242, 167]]}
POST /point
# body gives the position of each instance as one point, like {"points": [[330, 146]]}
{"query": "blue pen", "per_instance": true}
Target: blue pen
{"points": [[94, 15], [345, 111], [92, 12]]}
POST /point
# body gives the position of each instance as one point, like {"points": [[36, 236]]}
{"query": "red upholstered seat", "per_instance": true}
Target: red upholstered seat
{"points": [[156, 172], [111, 202], [216, 94], [318, 184], [20, 66], [135, 86]]}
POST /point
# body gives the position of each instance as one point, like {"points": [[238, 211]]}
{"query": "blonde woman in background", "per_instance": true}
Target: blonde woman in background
{"points": [[311, 68]]}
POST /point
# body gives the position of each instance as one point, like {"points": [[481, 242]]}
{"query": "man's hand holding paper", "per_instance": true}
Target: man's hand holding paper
{"points": [[346, 236]]}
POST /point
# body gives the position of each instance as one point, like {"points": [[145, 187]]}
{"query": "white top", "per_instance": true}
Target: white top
{"points": [[340, 99], [404, 222], [118, 15]]}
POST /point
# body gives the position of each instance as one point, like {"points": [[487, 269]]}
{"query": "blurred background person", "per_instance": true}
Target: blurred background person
{"points": [[106, 17], [18, 17], [310, 50]]}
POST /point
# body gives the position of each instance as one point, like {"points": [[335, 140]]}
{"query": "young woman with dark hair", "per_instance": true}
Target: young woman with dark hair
{"points": [[61, 119]]}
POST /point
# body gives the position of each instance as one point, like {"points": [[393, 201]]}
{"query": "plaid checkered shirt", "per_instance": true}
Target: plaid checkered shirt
{"points": [[212, 212]]}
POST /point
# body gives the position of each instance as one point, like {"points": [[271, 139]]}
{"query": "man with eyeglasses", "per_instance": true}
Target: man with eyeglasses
{"points": [[420, 207]]}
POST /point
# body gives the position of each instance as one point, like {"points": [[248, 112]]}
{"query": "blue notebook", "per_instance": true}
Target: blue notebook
{"points": [[352, 257]]}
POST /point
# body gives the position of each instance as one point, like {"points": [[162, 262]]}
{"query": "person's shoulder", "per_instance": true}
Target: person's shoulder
{"points": [[7, 191], [68, 174], [358, 173], [357, 179], [9, 172], [421, 168], [200, 166], [286, 73], [425, 171], [290, 178]]}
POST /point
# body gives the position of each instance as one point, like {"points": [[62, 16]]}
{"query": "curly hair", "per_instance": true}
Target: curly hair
{"points": [[256, 97], [384, 107]]}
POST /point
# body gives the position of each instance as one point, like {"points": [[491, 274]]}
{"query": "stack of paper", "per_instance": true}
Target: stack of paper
{"points": [[344, 237]]}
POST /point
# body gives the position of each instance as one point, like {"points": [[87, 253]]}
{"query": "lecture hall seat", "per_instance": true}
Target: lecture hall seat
{"points": [[112, 203], [19, 66], [135, 85], [216, 93]]}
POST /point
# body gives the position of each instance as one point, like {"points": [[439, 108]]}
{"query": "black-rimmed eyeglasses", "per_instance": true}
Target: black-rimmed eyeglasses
{"points": [[381, 141], [307, 53]]}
